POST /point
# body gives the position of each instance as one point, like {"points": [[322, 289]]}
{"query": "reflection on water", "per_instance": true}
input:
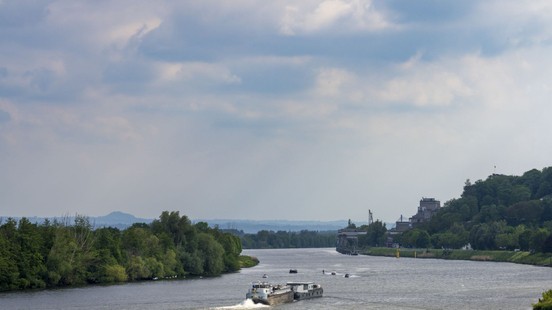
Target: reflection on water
{"points": [[374, 283]]}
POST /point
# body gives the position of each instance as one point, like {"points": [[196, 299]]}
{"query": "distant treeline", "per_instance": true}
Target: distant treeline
{"points": [[56, 254], [266, 239]]}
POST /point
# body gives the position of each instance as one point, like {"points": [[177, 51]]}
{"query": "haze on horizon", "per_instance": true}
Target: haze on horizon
{"points": [[309, 110]]}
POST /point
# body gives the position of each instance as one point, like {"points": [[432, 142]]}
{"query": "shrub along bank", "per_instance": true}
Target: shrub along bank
{"points": [[248, 261]]}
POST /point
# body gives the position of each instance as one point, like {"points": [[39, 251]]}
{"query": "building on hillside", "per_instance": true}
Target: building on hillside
{"points": [[428, 207], [401, 225]]}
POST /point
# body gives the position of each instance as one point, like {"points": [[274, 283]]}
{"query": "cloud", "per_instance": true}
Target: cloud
{"points": [[429, 11], [316, 107], [4, 116], [24, 13], [425, 85], [329, 82], [332, 15], [196, 70], [324, 15]]}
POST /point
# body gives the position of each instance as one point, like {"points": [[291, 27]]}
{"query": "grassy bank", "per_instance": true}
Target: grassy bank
{"points": [[519, 257], [248, 261]]}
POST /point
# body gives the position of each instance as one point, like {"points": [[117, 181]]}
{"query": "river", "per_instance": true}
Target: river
{"points": [[375, 283]]}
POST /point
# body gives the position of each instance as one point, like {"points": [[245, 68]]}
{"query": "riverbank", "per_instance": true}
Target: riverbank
{"points": [[248, 261], [518, 257], [244, 261]]}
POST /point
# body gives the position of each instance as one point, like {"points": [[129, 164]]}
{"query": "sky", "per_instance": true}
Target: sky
{"points": [[307, 110]]}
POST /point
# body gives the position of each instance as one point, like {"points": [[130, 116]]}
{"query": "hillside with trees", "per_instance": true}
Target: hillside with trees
{"points": [[500, 213], [55, 254]]}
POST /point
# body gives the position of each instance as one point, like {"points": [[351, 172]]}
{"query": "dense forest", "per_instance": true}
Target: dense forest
{"points": [[56, 254], [501, 212]]}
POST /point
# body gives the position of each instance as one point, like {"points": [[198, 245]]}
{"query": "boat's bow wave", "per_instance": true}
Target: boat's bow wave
{"points": [[246, 304]]}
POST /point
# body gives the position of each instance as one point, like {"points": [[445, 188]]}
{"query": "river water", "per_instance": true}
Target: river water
{"points": [[374, 283]]}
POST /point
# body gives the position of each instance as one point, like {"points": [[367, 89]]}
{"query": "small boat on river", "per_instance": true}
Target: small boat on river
{"points": [[269, 294]]}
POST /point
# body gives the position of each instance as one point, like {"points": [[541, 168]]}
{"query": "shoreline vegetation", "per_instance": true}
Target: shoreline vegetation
{"points": [[544, 303], [518, 257], [248, 261], [60, 254], [503, 218]]}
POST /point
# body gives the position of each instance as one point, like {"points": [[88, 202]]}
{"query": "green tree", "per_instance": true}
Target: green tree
{"points": [[524, 240], [179, 228], [376, 233], [415, 238], [110, 259], [30, 260], [9, 272], [547, 245], [525, 212], [456, 237], [507, 241], [171, 264], [519, 193], [212, 253], [72, 254], [232, 249], [538, 239], [483, 236], [532, 180], [137, 270], [192, 262], [115, 273], [110, 239], [134, 240]]}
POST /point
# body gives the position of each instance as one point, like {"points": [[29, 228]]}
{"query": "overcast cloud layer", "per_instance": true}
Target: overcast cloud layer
{"points": [[314, 110]]}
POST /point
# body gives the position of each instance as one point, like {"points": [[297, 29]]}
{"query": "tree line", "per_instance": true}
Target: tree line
{"points": [[54, 254], [502, 212], [268, 239]]}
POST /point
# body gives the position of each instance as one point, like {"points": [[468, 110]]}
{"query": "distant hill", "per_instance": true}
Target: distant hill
{"points": [[118, 219], [115, 219]]}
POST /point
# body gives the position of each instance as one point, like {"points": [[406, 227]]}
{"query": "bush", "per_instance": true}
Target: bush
{"points": [[115, 273], [545, 303], [248, 261]]}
